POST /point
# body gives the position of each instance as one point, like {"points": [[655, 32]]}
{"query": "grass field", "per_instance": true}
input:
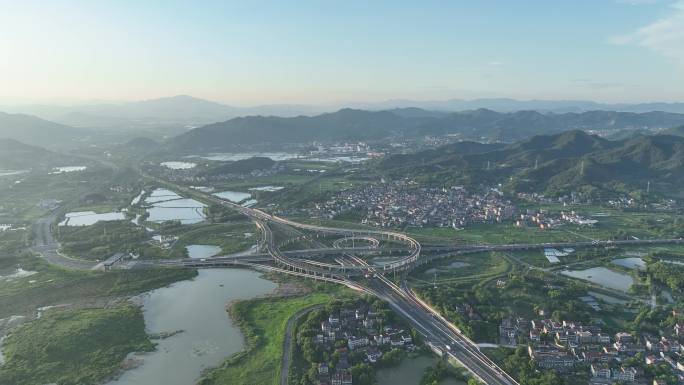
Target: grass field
{"points": [[100, 240], [263, 323], [79, 347], [54, 286], [229, 236], [20, 201], [463, 268]]}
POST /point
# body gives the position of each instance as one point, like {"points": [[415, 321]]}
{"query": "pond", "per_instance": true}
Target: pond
{"points": [[410, 372], [631, 263], [233, 196], [202, 251], [87, 218], [160, 195], [169, 206], [208, 335], [602, 276], [179, 165], [186, 215], [607, 298]]}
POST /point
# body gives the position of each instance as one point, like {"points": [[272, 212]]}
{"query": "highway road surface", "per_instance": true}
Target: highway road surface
{"points": [[45, 244]]}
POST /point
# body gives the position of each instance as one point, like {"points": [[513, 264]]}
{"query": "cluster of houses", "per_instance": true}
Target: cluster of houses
{"points": [[545, 220], [568, 346], [400, 203], [620, 202], [661, 204], [569, 199], [362, 330]]}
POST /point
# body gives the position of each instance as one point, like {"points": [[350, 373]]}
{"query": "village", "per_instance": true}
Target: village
{"points": [[572, 347], [400, 203], [352, 336]]}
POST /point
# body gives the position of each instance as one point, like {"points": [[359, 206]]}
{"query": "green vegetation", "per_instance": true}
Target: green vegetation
{"points": [[478, 310], [669, 274], [518, 364], [263, 322], [53, 285], [231, 237], [442, 370], [309, 354], [78, 347], [571, 161], [653, 320], [100, 188], [100, 240], [465, 268], [359, 125]]}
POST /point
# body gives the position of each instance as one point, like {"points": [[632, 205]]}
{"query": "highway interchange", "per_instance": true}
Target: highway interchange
{"points": [[354, 272], [441, 335]]}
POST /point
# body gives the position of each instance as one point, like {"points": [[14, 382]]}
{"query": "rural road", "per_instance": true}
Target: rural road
{"points": [[287, 342]]}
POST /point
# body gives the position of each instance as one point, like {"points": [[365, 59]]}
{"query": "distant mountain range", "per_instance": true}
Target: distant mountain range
{"points": [[511, 105], [556, 164], [39, 132], [342, 125], [185, 111], [177, 111], [167, 117], [348, 124], [15, 155]]}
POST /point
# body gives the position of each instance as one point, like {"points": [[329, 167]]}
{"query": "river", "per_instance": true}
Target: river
{"points": [[198, 307]]}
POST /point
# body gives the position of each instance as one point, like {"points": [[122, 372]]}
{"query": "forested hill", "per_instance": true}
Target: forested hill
{"points": [[355, 125], [560, 163], [342, 125]]}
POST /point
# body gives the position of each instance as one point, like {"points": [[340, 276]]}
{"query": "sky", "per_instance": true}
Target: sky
{"points": [[317, 52]]}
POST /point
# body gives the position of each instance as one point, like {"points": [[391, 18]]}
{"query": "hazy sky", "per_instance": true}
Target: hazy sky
{"points": [[291, 51]]}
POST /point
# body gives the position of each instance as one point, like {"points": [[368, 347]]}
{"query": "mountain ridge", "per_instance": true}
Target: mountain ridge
{"points": [[353, 124], [38, 132], [554, 164]]}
